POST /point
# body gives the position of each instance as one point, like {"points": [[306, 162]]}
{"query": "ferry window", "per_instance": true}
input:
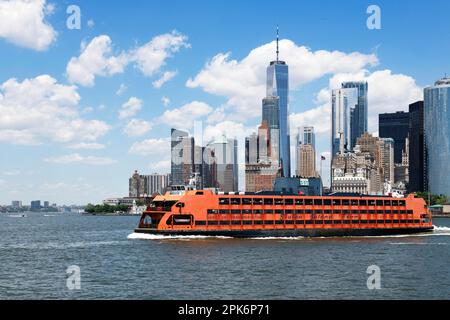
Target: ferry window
{"points": [[363, 211], [257, 201], [246, 211], [336, 202], [317, 202], [268, 221], [246, 201], [268, 201], [212, 211], [224, 211], [379, 202], [224, 201], [299, 202], [337, 221], [289, 202], [345, 211], [268, 211], [387, 202], [363, 202], [354, 202], [288, 211], [402, 203], [318, 211], [388, 211], [337, 211], [235, 201], [257, 211], [371, 202], [182, 219], [308, 202], [371, 211], [400, 211], [279, 202], [308, 211], [410, 211], [299, 211], [355, 211], [236, 211], [380, 211], [199, 193], [327, 202], [327, 211], [395, 202], [345, 202], [279, 211]]}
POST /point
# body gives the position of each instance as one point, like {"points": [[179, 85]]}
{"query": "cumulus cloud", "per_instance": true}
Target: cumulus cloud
{"points": [[185, 116], [162, 166], [167, 76], [98, 59], [165, 101], [40, 109], [86, 145], [242, 82], [130, 108], [136, 128], [121, 90], [23, 23], [151, 147], [76, 158]]}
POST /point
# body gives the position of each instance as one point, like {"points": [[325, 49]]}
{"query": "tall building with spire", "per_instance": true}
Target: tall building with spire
{"points": [[278, 86]]}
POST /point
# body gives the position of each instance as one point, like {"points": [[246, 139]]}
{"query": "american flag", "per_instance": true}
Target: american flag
{"points": [[322, 158]]}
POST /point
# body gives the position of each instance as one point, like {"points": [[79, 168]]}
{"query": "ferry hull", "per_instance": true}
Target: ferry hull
{"points": [[289, 232]]}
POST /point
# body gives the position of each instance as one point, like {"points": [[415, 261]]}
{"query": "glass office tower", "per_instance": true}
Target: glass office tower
{"points": [[343, 104], [437, 136], [278, 86], [359, 115]]}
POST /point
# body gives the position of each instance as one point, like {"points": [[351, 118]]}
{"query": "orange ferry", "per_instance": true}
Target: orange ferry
{"points": [[184, 211]]}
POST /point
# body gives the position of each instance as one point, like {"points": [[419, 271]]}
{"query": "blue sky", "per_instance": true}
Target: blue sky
{"points": [[90, 155]]}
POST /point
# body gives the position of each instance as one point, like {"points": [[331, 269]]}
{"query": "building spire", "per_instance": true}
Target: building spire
{"points": [[277, 43]]}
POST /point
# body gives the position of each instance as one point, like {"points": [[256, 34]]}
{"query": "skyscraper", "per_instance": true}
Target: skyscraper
{"points": [[395, 126], [182, 157], [278, 86], [359, 115], [417, 172], [225, 162], [306, 153], [136, 185], [271, 115], [437, 136], [343, 104]]}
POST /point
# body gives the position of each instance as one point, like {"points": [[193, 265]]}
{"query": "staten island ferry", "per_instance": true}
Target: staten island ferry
{"points": [[186, 211]]}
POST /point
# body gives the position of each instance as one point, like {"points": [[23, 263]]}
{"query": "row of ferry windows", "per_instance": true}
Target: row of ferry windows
{"points": [[301, 211], [310, 202], [271, 222]]}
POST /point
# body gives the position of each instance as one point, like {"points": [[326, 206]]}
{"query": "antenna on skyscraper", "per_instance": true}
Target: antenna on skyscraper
{"points": [[277, 43]]}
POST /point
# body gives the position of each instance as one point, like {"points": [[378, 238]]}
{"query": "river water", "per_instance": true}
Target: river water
{"points": [[114, 263]]}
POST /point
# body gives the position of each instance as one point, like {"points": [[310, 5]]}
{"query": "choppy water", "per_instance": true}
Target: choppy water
{"points": [[35, 252]]}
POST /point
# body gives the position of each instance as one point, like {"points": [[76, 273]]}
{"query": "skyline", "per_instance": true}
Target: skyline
{"points": [[108, 118]]}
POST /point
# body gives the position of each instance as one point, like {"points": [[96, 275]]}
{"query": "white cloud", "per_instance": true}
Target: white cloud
{"points": [[162, 166], [153, 55], [243, 82], [121, 90], [167, 76], [23, 23], [97, 58], [165, 101], [136, 128], [86, 145], [40, 109], [130, 108], [90, 23], [76, 158], [158, 147], [11, 173], [319, 118], [185, 116]]}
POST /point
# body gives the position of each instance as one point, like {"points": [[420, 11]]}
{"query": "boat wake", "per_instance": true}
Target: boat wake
{"points": [[146, 236]]}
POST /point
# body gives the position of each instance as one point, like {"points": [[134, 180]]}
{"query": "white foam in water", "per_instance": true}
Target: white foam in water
{"points": [[278, 238], [146, 236]]}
